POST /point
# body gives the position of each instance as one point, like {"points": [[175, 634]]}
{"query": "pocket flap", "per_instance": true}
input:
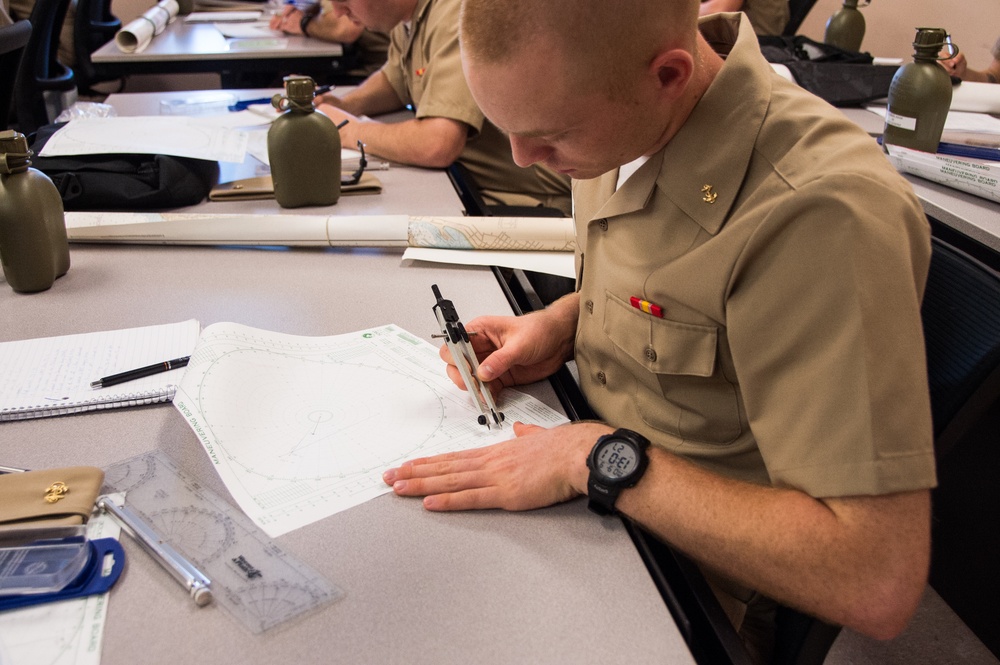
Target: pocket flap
{"points": [[660, 345]]}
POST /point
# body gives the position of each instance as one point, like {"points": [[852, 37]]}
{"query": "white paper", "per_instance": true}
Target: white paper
{"points": [[300, 428], [68, 632], [222, 17], [181, 136], [54, 373], [136, 36], [259, 29], [551, 263]]}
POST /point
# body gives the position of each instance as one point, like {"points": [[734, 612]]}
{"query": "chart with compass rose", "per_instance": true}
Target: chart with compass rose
{"points": [[302, 427]]}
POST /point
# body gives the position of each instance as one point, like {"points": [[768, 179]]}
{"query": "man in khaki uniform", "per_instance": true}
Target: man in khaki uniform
{"points": [[424, 69], [768, 17], [750, 270]]}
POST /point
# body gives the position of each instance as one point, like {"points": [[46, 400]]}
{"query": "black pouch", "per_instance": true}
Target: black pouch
{"points": [[124, 181], [843, 78]]}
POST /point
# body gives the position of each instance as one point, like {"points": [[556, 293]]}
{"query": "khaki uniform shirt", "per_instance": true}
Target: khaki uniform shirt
{"points": [[789, 260], [768, 17], [424, 67]]}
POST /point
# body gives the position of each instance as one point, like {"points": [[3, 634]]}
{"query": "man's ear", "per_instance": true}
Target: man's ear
{"points": [[671, 71]]}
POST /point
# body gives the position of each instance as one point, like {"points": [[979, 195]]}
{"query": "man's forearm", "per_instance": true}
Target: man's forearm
{"points": [[857, 561]]}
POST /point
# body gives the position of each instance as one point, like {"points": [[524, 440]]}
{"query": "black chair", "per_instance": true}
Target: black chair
{"points": [[798, 10], [93, 27], [961, 316], [13, 39], [40, 70]]}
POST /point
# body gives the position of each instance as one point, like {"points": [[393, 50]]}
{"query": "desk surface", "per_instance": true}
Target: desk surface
{"points": [[200, 48], [405, 189], [553, 585], [182, 41]]}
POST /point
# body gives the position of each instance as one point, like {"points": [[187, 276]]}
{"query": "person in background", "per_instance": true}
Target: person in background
{"points": [[21, 9], [320, 22], [768, 17], [5, 19], [424, 70], [746, 322], [959, 67]]}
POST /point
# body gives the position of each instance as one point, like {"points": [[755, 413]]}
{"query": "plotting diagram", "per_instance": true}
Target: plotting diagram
{"points": [[302, 427]]}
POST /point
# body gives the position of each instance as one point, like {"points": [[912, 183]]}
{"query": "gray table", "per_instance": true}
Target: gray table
{"points": [[554, 585], [199, 47], [405, 189]]}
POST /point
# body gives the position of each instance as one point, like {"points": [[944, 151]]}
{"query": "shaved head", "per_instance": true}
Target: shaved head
{"points": [[605, 40]]}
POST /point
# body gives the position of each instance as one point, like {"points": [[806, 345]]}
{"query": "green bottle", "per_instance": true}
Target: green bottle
{"points": [[920, 95], [846, 28], [303, 147], [33, 246]]}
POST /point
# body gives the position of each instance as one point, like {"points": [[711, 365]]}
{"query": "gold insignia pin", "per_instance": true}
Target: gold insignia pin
{"points": [[56, 491], [709, 195]]}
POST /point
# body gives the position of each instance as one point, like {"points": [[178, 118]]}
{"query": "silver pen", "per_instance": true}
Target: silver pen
{"points": [[173, 561]]}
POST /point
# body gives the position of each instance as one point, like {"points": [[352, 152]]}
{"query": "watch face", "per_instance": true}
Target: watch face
{"points": [[616, 459]]}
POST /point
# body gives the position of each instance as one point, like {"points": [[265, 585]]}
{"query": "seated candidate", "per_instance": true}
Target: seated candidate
{"points": [[748, 303], [768, 17], [424, 70], [319, 21], [959, 67]]}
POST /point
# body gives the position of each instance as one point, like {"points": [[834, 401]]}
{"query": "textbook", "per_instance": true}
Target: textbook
{"points": [[51, 376]]}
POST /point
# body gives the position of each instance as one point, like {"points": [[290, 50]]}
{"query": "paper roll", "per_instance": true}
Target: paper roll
{"points": [[136, 36]]}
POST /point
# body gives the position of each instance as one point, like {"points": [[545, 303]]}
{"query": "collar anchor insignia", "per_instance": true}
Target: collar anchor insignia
{"points": [[709, 195]]}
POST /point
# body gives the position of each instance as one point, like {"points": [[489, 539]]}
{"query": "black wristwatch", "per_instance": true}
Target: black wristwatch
{"points": [[617, 461], [307, 17]]}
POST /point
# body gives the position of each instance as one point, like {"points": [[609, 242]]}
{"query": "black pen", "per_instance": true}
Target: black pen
{"points": [[133, 374]]}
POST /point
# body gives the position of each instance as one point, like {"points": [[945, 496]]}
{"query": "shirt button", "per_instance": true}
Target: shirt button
{"points": [[603, 223], [650, 354], [590, 306], [601, 378]]}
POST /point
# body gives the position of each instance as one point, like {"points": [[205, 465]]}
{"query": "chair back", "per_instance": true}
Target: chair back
{"points": [[93, 27], [961, 318], [13, 39], [40, 69], [798, 10]]}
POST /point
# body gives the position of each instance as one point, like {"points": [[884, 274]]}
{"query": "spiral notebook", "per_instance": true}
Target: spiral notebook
{"points": [[51, 376]]}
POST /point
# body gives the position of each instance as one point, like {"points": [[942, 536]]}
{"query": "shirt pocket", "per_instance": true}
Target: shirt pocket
{"points": [[680, 389]]}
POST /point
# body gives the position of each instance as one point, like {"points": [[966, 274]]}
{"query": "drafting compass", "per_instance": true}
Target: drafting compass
{"points": [[457, 339]]}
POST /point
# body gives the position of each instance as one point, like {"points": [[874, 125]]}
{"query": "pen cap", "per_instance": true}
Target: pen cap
{"points": [[33, 246]]}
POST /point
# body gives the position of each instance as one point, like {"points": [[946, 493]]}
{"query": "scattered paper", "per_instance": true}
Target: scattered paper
{"points": [[551, 263], [181, 136], [257, 29]]}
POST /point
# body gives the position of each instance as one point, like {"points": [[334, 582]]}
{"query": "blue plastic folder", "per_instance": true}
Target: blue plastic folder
{"points": [[93, 579]]}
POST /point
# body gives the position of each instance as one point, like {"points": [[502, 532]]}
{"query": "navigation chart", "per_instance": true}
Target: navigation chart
{"points": [[300, 428]]}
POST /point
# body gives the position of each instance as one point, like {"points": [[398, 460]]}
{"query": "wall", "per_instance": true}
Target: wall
{"points": [[891, 24]]}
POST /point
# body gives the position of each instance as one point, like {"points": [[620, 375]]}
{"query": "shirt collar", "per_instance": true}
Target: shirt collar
{"points": [[712, 150]]}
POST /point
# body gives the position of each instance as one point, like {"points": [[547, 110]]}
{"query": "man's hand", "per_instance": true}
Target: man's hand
{"points": [[520, 350], [538, 468], [288, 20]]}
